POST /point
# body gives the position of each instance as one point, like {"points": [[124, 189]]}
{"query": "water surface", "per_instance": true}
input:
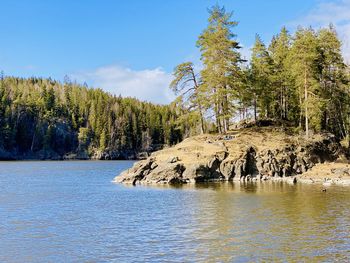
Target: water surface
{"points": [[71, 212]]}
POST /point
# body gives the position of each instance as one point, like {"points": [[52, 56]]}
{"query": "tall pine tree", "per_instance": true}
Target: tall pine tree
{"points": [[262, 70], [221, 59], [304, 57]]}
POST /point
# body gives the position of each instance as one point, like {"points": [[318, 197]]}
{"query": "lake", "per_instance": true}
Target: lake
{"points": [[71, 212]]}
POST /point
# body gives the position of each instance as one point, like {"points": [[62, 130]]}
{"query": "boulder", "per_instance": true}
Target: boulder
{"points": [[166, 173], [196, 173], [341, 171], [227, 169], [136, 173], [173, 159]]}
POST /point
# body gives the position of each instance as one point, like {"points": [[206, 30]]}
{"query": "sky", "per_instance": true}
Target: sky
{"points": [[130, 47]]}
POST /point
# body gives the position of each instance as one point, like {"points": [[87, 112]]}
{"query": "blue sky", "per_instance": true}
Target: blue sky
{"points": [[130, 47]]}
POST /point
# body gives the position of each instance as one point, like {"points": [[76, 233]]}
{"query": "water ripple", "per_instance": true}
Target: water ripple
{"points": [[70, 212]]}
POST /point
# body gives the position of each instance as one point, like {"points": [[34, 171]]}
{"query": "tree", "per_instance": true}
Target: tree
{"points": [[261, 73], [49, 99], [221, 73], [333, 81], [304, 57], [103, 140], [186, 85], [282, 79]]}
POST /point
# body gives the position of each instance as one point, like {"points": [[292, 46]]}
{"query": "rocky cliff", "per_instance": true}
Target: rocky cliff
{"points": [[247, 154]]}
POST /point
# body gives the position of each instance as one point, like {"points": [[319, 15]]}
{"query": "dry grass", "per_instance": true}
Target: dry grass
{"points": [[200, 148], [192, 150]]}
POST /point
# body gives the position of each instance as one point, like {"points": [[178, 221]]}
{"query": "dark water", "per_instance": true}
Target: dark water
{"points": [[71, 212]]}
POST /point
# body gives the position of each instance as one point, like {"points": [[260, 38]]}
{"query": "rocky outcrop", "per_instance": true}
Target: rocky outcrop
{"points": [[212, 159], [328, 174]]}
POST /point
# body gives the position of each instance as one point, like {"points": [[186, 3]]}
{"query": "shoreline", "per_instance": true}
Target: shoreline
{"points": [[256, 154], [326, 182], [292, 180], [66, 160]]}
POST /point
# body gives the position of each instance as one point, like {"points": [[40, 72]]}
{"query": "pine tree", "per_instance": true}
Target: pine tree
{"points": [[103, 140], [221, 74], [186, 84], [282, 79], [304, 57], [332, 77], [261, 71]]}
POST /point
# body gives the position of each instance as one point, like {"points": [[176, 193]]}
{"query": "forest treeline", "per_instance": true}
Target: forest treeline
{"points": [[298, 79], [42, 118]]}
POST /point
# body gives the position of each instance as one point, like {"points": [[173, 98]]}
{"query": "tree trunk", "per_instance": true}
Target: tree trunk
{"points": [[255, 117], [225, 126], [33, 139], [225, 109], [217, 116], [202, 120], [306, 107], [282, 103], [200, 108], [301, 108], [286, 104]]}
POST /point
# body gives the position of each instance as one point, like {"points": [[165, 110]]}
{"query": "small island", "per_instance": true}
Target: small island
{"points": [[247, 154], [283, 113]]}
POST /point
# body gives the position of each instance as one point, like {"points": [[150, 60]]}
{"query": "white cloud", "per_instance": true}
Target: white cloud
{"points": [[148, 85], [336, 12]]}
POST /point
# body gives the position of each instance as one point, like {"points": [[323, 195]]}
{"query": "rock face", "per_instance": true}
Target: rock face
{"points": [[210, 158]]}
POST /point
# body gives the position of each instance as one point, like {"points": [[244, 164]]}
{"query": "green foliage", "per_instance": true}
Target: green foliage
{"points": [[261, 78], [187, 85], [300, 80], [221, 73], [41, 114], [84, 137], [285, 100]]}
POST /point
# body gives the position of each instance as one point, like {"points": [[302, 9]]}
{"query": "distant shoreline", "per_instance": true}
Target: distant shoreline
{"points": [[53, 156], [65, 160]]}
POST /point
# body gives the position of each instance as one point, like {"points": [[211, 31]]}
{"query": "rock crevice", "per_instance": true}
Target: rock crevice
{"points": [[200, 160]]}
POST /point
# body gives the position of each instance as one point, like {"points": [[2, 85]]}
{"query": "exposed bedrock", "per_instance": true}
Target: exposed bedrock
{"points": [[200, 160]]}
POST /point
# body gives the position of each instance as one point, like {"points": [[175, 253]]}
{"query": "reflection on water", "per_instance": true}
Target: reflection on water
{"points": [[269, 221], [70, 211]]}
